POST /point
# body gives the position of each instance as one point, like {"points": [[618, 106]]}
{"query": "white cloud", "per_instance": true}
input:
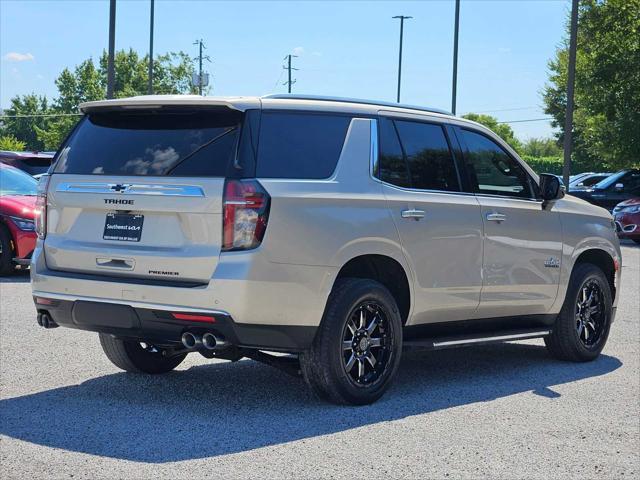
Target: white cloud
{"points": [[298, 50], [316, 54], [504, 50], [18, 57]]}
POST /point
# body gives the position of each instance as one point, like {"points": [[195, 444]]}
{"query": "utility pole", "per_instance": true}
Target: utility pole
{"points": [[571, 77], [201, 79], [150, 89], [454, 86], [289, 68], [402, 19], [112, 49]]}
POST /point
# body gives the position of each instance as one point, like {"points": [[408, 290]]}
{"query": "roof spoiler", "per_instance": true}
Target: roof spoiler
{"points": [[162, 101]]}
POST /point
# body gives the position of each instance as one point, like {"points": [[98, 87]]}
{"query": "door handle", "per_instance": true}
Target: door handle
{"points": [[412, 213], [120, 263], [496, 217]]}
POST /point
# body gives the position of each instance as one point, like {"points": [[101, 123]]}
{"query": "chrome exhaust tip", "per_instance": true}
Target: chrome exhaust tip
{"points": [[45, 320], [191, 341], [209, 341]]}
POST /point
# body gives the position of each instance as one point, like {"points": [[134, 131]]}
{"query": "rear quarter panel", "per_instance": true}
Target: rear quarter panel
{"points": [[329, 222]]}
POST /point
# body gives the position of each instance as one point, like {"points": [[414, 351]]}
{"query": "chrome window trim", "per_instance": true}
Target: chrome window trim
{"points": [[132, 189]]}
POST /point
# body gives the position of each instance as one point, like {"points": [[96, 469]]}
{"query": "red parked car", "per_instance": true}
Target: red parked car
{"points": [[17, 218], [627, 217]]}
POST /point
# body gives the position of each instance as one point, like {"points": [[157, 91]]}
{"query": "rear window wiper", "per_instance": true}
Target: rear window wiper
{"points": [[201, 147]]}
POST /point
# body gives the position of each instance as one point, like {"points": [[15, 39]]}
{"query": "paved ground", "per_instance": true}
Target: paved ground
{"points": [[501, 411]]}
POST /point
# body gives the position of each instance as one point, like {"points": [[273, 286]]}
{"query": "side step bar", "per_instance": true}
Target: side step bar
{"points": [[483, 338]]}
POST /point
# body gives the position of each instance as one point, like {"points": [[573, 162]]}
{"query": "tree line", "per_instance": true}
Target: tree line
{"points": [[34, 122], [606, 128]]}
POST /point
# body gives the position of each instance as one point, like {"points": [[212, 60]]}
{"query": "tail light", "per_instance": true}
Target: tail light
{"points": [[41, 207], [245, 214]]}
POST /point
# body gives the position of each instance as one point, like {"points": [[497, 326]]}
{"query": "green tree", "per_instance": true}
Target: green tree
{"points": [[11, 143], [503, 130], [541, 147], [88, 81], [607, 88], [20, 119]]}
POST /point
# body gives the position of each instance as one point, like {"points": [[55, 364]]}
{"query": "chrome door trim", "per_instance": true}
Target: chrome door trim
{"points": [[493, 338], [373, 160], [132, 189]]}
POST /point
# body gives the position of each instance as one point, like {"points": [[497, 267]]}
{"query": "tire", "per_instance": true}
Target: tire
{"points": [[6, 252], [571, 341], [325, 366], [131, 356]]}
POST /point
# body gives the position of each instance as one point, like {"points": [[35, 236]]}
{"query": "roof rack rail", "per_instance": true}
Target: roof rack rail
{"points": [[293, 96]]}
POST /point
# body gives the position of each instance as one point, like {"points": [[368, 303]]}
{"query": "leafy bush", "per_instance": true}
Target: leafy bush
{"points": [[9, 142]]}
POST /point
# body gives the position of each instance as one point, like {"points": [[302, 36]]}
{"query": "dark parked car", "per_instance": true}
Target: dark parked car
{"points": [[33, 163], [627, 217], [614, 189], [586, 181]]}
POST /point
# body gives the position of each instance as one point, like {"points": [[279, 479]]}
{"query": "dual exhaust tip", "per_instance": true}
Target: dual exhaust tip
{"points": [[207, 341], [45, 320]]}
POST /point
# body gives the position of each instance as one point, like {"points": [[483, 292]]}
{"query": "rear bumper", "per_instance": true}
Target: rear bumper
{"points": [[158, 325], [252, 289]]}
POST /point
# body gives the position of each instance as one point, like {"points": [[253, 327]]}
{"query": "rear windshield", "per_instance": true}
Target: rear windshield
{"points": [[174, 143]]}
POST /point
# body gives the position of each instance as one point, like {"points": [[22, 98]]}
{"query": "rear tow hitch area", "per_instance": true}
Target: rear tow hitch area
{"points": [[212, 345]]}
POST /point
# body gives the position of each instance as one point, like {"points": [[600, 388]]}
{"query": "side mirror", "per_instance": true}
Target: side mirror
{"points": [[550, 187], [619, 187]]}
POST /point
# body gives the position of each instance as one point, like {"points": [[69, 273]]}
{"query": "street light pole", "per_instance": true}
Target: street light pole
{"points": [[150, 89], [112, 48], [402, 19], [571, 78], [454, 86]]}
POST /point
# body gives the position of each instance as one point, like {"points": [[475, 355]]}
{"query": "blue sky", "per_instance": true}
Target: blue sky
{"points": [[345, 48]]}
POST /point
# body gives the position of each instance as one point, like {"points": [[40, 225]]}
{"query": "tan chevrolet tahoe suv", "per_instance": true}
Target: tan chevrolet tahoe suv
{"points": [[318, 235]]}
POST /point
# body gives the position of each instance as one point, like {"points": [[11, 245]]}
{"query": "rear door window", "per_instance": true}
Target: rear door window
{"points": [[173, 143], [393, 166], [300, 144], [430, 161], [416, 155]]}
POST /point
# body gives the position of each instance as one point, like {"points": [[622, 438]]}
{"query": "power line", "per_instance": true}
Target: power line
{"points": [[200, 58], [503, 109], [289, 68], [528, 120], [43, 115]]}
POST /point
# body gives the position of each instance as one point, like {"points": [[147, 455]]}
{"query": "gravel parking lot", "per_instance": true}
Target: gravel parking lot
{"points": [[496, 411]]}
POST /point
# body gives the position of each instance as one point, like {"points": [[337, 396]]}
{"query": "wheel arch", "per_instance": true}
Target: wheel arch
{"points": [[601, 259], [386, 270]]}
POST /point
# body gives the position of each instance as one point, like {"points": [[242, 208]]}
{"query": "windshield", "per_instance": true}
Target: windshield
{"points": [[175, 143], [16, 182], [610, 180]]}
